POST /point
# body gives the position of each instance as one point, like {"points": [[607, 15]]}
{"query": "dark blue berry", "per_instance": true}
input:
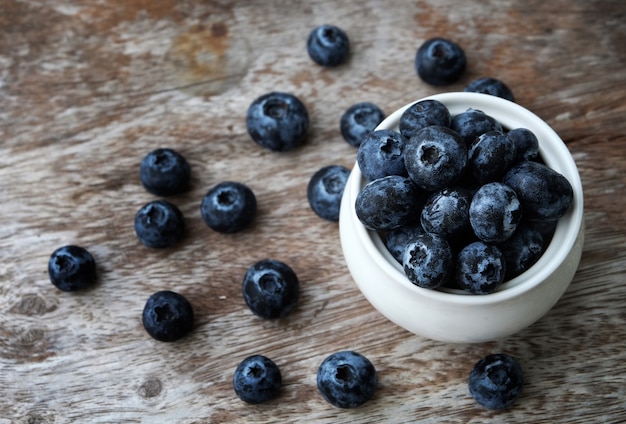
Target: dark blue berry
{"points": [[490, 155], [381, 154], [325, 190], [270, 289], [328, 45], [496, 381], [167, 316], [347, 379], [428, 261], [359, 120], [159, 224], [164, 172], [480, 268], [522, 250], [492, 86], [446, 212], [72, 268], [435, 157], [472, 123], [526, 144], [440, 61], [388, 203], [228, 207], [545, 194], [494, 212], [278, 121], [257, 379], [423, 114], [398, 239]]}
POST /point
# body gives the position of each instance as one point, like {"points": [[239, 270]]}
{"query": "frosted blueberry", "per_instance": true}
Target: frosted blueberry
{"points": [[347, 379], [358, 121], [490, 155], [257, 379], [382, 154], [492, 86], [472, 123], [480, 268], [496, 381], [494, 212], [325, 190], [428, 261], [421, 114]]}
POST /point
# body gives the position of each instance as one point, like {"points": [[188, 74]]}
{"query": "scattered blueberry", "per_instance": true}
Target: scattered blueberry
{"points": [[472, 123], [446, 212], [494, 212], [164, 172], [492, 86], [545, 194], [381, 154], [347, 379], [480, 268], [435, 157], [257, 379], [421, 114], [496, 381], [398, 239], [325, 190], [278, 121], [72, 268], [228, 207], [522, 250], [359, 120], [270, 289], [440, 61], [159, 224], [388, 203], [328, 45], [490, 155], [428, 261], [526, 144], [167, 316]]}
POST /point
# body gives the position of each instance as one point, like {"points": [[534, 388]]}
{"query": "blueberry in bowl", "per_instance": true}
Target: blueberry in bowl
{"points": [[531, 218]]}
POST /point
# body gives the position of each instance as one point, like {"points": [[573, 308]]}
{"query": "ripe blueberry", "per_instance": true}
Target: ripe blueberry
{"points": [[492, 86], [423, 114], [167, 316], [480, 268], [164, 172], [446, 212], [277, 121], [159, 224], [522, 249], [398, 239], [526, 144], [359, 120], [428, 260], [71, 268], [228, 207], [347, 379], [270, 289], [472, 123], [494, 212], [325, 189], [490, 155], [257, 379], [440, 61], [496, 381], [328, 45], [381, 154]]}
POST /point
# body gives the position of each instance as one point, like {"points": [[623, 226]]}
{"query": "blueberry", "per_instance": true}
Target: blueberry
{"points": [[496, 381], [522, 250], [228, 207], [494, 212], [480, 268], [164, 172], [490, 155], [325, 189], [72, 268], [359, 120], [440, 61], [328, 45], [472, 123], [388, 203], [446, 212], [347, 379], [159, 224], [278, 121], [398, 239], [423, 114], [167, 316], [428, 260], [381, 154], [435, 157], [270, 289], [492, 86], [257, 379], [526, 144], [545, 194]]}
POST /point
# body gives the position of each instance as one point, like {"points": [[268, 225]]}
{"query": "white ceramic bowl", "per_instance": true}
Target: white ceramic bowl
{"points": [[450, 315]]}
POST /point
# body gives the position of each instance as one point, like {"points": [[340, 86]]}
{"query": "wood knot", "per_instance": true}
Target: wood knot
{"points": [[31, 304], [150, 388]]}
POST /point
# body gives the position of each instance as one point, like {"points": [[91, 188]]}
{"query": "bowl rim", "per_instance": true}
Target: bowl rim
{"points": [[555, 154]]}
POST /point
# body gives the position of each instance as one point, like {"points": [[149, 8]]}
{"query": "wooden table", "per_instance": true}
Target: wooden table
{"points": [[88, 88]]}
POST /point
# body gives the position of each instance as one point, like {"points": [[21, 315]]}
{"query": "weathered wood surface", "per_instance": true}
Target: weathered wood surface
{"points": [[87, 88]]}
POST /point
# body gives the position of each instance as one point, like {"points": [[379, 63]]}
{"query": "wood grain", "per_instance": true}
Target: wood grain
{"points": [[88, 88]]}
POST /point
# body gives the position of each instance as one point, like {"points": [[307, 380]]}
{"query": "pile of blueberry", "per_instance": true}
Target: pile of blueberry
{"points": [[412, 171]]}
